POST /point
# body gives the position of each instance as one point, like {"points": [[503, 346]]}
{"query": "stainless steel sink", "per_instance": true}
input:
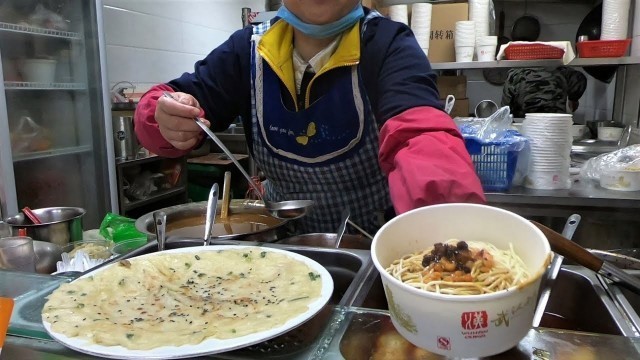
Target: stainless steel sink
{"points": [[578, 301]]}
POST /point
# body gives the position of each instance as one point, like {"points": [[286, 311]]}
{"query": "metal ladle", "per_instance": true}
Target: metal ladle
{"points": [[212, 209], [290, 209], [160, 221]]}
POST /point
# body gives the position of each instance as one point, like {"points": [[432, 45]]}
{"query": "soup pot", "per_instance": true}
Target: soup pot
{"points": [[461, 326], [243, 223], [60, 225]]}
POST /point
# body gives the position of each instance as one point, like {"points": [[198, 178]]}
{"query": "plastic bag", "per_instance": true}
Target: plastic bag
{"points": [[119, 228], [627, 158], [486, 129]]}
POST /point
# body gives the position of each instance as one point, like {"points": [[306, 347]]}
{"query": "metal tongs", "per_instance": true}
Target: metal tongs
{"points": [[212, 209], [554, 268]]}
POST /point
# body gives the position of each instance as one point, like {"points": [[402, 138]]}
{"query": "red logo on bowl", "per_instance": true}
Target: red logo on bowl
{"points": [[444, 343], [474, 320]]}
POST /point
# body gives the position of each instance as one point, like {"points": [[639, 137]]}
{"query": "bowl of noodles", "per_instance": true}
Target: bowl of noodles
{"points": [[461, 280]]}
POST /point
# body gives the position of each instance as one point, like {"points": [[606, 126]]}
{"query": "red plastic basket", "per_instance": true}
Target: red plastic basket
{"points": [[603, 48], [532, 52]]}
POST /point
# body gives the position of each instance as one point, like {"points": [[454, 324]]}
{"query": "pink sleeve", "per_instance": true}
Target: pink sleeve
{"points": [[146, 127], [426, 162]]}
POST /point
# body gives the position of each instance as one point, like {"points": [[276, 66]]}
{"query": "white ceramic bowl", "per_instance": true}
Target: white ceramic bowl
{"points": [[461, 326]]}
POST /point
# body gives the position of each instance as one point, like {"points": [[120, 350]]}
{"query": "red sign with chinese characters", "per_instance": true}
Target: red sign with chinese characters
{"points": [[474, 320]]}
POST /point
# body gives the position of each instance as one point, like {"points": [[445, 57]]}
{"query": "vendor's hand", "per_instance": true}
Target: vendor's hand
{"points": [[175, 120]]}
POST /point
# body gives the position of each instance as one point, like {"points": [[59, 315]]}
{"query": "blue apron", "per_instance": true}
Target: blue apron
{"points": [[327, 152]]}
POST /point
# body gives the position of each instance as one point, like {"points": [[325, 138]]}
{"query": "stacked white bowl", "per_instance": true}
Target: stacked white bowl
{"points": [[479, 13], [486, 48], [421, 24], [550, 137], [465, 40], [615, 19], [399, 13]]}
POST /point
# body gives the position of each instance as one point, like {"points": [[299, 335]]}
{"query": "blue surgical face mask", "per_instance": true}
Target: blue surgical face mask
{"points": [[322, 31]]}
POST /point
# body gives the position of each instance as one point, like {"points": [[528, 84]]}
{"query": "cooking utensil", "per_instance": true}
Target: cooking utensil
{"points": [[485, 108], [160, 221], [187, 221], [360, 229], [31, 215], [47, 255], [226, 189], [448, 104], [60, 225], [591, 26], [547, 283], [526, 27], [498, 76], [289, 209], [343, 226], [212, 209], [582, 256], [620, 260]]}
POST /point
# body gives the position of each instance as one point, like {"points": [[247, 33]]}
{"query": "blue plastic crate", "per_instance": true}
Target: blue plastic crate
{"points": [[495, 163]]}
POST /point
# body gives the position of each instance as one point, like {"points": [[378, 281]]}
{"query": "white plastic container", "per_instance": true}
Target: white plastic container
{"points": [[486, 48], [438, 322], [621, 180], [609, 133], [39, 70]]}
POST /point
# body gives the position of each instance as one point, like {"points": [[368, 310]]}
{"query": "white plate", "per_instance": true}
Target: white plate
{"points": [[210, 346]]}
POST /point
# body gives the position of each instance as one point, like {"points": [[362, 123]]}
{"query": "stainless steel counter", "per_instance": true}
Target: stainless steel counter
{"points": [[581, 194]]}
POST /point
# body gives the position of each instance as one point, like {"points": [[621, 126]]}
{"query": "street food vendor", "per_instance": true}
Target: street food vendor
{"points": [[339, 106]]}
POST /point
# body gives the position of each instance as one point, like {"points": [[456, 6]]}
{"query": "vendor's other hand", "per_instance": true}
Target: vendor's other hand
{"points": [[175, 120]]}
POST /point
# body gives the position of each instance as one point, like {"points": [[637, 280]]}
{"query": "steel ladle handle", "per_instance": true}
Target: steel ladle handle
{"points": [[223, 148]]}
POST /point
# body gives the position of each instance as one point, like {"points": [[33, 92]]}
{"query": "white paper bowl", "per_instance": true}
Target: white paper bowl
{"points": [[621, 180], [444, 324]]}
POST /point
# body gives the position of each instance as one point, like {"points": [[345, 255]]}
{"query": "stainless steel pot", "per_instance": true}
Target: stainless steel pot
{"points": [[60, 225], [179, 214]]}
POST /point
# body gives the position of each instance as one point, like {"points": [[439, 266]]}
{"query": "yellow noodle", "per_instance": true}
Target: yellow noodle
{"points": [[508, 271]]}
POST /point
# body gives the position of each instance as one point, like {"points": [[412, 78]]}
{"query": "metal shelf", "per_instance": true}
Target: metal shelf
{"points": [[26, 29], [577, 62], [21, 85], [139, 161], [52, 153], [154, 197]]}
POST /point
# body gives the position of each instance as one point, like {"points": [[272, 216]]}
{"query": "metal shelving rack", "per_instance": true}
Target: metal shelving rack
{"points": [[577, 62], [26, 29], [22, 85]]}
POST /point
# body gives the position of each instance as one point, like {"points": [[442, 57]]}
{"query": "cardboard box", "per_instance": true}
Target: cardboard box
{"points": [[452, 85], [460, 108], [443, 28]]}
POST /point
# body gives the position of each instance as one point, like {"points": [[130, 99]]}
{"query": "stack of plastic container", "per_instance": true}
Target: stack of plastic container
{"points": [[550, 137]]}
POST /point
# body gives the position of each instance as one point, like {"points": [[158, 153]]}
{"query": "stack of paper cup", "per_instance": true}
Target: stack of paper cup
{"points": [[550, 137], [399, 13], [421, 24], [465, 40], [479, 13], [486, 48], [615, 19]]}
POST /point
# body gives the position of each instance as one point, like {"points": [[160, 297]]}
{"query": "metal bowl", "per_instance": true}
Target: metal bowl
{"points": [[60, 225], [196, 212], [47, 255]]}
